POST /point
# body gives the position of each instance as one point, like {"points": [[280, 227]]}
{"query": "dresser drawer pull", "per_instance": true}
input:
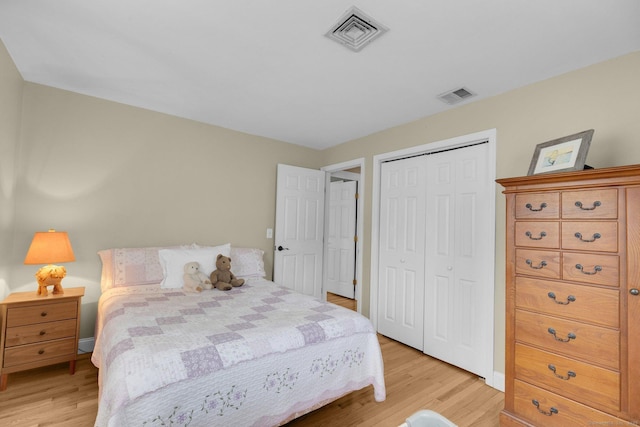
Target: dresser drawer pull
{"points": [[595, 237], [532, 209], [43, 314], [41, 351], [540, 266], [552, 410], [530, 236], [570, 299], [596, 269], [570, 335], [570, 374], [634, 291], [595, 205], [43, 332]]}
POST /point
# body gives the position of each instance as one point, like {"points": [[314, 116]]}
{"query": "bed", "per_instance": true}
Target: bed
{"points": [[257, 355]]}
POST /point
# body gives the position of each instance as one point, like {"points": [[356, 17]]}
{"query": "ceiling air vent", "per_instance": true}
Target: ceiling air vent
{"points": [[355, 30], [457, 95]]}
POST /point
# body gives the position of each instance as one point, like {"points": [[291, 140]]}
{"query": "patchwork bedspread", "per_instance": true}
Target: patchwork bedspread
{"points": [[257, 355]]}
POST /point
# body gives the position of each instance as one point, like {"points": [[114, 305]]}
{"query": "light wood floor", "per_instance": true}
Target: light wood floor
{"points": [[51, 397]]}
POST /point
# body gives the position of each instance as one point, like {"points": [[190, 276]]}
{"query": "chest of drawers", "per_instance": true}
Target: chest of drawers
{"points": [[573, 309], [38, 331]]}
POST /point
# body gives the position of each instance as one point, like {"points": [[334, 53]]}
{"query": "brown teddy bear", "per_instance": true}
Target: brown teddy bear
{"points": [[222, 277], [194, 279]]}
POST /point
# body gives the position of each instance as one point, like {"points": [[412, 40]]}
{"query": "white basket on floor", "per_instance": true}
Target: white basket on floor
{"points": [[427, 418]]}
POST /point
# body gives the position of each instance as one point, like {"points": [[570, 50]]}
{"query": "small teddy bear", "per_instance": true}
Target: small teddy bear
{"points": [[222, 278], [194, 279]]}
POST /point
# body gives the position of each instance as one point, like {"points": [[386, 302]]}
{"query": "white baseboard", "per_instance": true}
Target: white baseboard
{"points": [[85, 345], [498, 381]]}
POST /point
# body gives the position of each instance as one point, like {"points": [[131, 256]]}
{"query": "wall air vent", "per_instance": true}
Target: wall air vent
{"points": [[355, 30], [457, 95]]}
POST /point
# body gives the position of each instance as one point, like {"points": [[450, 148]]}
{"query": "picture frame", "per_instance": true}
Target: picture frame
{"points": [[563, 154]]}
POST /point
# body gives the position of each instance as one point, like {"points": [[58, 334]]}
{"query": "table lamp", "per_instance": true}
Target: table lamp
{"points": [[48, 247]]}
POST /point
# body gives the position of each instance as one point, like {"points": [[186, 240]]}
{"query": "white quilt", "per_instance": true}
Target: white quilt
{"points": [[256, 355]]}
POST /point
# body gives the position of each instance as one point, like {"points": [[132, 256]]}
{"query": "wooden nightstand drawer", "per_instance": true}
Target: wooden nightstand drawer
{"points": [[26, 354], [589, 343], [48, 331], [591, 204], [598, 236], [591, 268], [51, 312], [538, 206], [543, 408], [568, 300], [580, 381], [538, 234], [544, 264]]}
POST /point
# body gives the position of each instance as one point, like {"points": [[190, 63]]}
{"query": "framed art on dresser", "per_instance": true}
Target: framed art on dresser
{"points": [[563, 154]]}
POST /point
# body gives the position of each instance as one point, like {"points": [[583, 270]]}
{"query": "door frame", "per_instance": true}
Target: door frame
{"points": [[336, 169], [456, 142]]}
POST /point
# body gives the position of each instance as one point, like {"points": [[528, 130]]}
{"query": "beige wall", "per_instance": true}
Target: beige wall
{"points": [[10, 111], [117, 176], [605, 97]]}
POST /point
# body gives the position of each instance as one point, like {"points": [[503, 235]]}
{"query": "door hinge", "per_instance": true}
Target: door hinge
{"points": [[355, 282], [355, 239], [357, 196]]}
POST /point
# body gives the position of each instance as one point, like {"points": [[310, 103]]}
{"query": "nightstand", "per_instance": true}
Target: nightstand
{"points": [[39, 331]]}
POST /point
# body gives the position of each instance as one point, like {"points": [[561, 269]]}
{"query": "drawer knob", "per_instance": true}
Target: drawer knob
{"points": [[634, 292], [532, 209], [593, 239], [530, 236], [552, 410], [570, 299], [43, 332], [43, 314], [595, 205], [596, 269], [570, 374], [41, 351], [570, 336], [540, 266]]}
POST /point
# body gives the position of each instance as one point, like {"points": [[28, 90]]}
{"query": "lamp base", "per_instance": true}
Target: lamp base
{"points": [[50, 275]]}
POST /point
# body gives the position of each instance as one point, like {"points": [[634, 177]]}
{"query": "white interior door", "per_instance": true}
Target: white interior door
{"points": [[458, 253], [341, 233], [401, 251], [299, 229]]}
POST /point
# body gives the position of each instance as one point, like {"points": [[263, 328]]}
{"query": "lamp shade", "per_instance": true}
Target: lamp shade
{"points": [[48, 247]]}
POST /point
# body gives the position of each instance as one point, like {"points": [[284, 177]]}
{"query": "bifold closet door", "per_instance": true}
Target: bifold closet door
{"points": [[401, 251], [457, 257]]}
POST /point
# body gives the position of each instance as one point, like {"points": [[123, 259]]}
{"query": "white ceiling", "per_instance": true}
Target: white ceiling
{"points": [[264, 67]]}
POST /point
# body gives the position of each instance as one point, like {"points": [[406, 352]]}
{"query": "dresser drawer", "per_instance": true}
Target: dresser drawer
{"points": [[592, 204], [20, 335], [597, 236], [538, 263], [538, 206], [579, 381], [577, 302], [543, 408], [538, 234], [591, 268], [37, 352], [19, 316], [589, 343]]}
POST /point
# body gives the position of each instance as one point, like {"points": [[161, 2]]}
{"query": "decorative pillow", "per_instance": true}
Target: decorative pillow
{"points": [[173, 261], [247, 262], [123, 267]]}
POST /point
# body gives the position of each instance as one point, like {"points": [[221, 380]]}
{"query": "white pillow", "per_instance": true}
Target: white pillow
{"points": [[173, 261]]}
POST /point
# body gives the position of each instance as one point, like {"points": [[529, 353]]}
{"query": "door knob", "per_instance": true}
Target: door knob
{"points": [[634, 291], [280, 248]]}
